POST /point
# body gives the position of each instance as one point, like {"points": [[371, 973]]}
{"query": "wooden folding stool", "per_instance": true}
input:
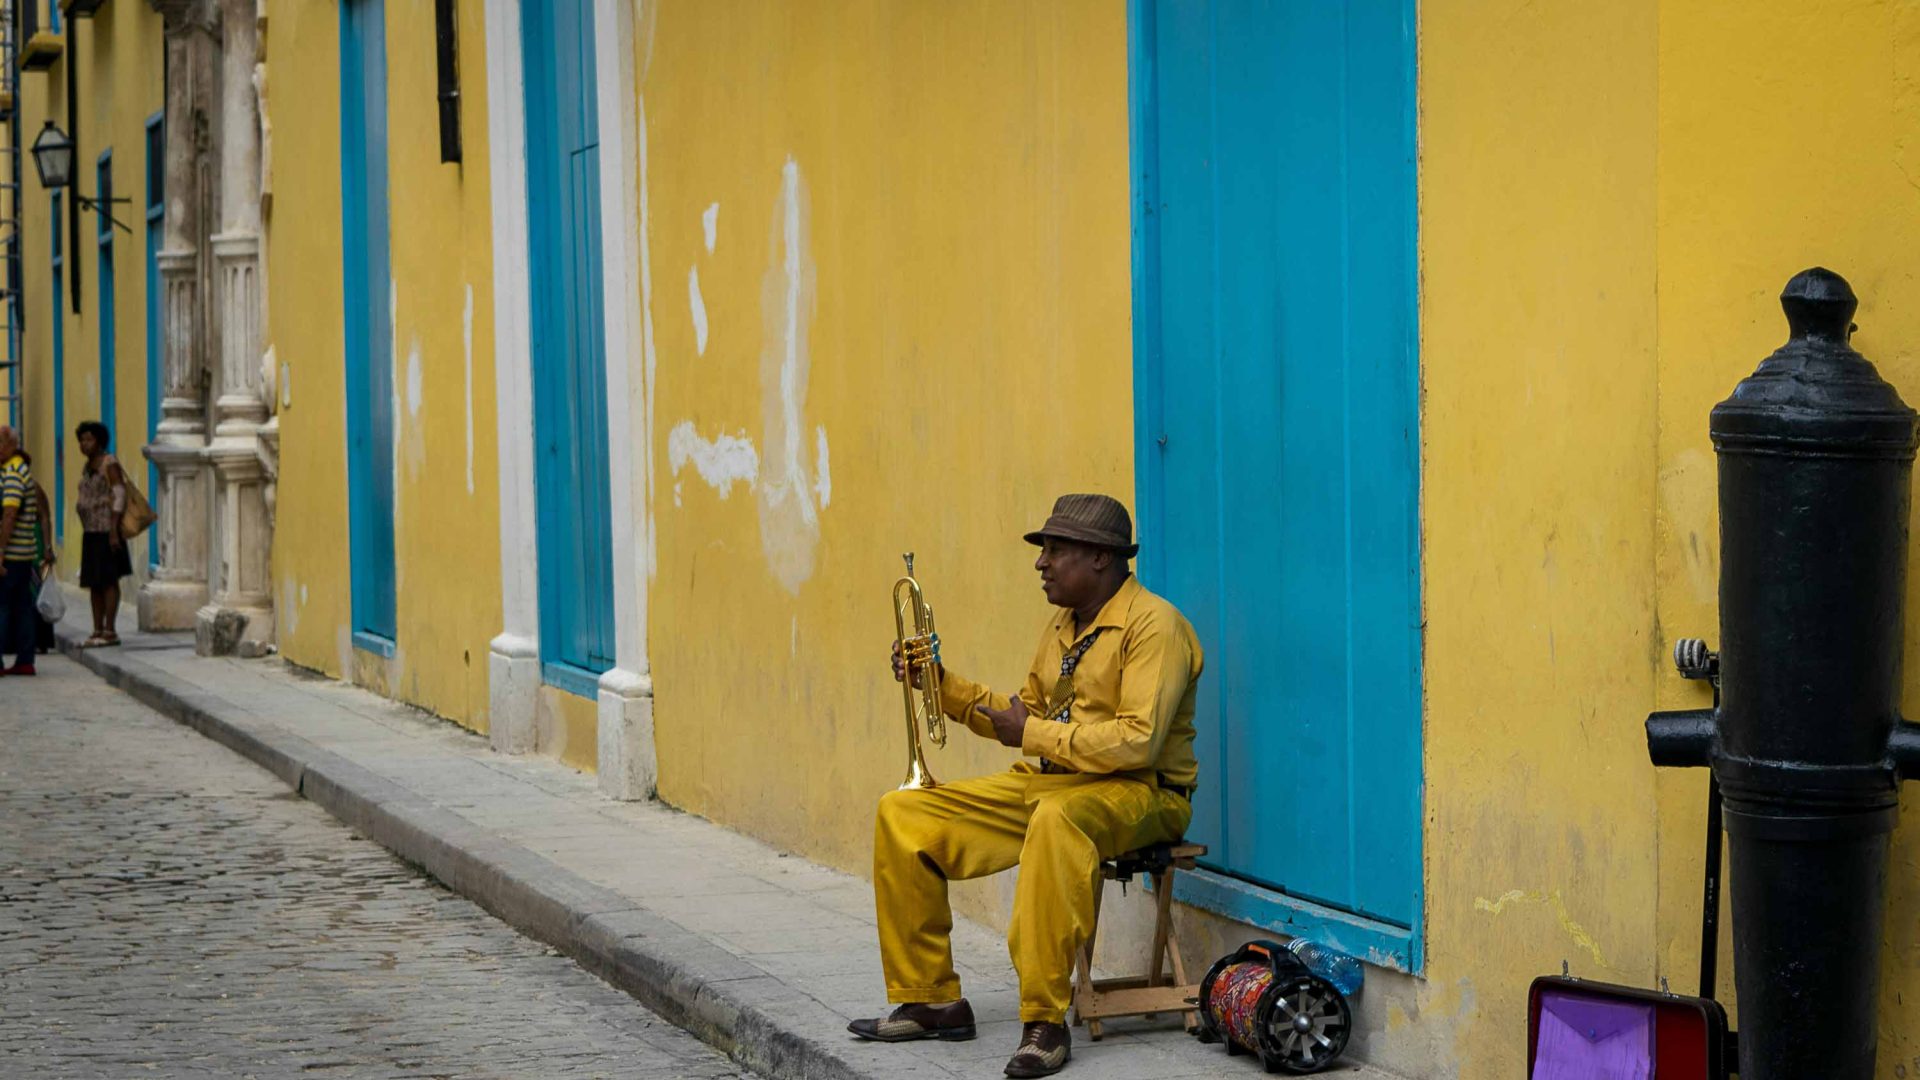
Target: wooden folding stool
{"points": [[1158, 990]]}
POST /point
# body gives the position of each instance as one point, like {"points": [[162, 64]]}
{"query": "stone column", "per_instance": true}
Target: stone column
{"points": [[239, 617], [178, 586], [270, 384]]}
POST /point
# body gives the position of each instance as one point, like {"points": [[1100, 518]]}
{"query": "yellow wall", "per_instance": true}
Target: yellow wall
{"points": [[1787, 140], [1538, 359], [1569, 478], [118, 53], [447, 489], [960, 185]]}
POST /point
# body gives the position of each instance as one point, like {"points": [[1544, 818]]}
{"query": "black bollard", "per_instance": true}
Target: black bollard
{"points": [[1807, 745]]}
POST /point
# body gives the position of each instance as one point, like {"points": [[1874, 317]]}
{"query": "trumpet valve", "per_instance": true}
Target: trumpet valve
{"points": [[921, 650]]}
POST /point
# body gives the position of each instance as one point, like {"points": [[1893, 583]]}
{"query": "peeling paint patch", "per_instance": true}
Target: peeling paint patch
{"points": [[789, 519], [710, 224], [1554, 901], [410, 438], [289, 610], [415, 389], [699, 308], [343, 647], [823, 482], [722, 462]]}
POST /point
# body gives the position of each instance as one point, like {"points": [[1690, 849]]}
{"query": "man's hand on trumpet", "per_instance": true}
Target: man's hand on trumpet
{"points": [[900, 668]]}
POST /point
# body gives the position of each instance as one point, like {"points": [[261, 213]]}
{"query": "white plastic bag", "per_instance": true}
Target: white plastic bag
{"points": [[52, 602]]}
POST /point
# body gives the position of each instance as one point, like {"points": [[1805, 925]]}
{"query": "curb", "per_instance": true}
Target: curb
{"points": [[755, 1018]]}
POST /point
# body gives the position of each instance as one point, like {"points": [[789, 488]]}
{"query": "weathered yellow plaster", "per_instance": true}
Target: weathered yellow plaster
{"points": [[1539, 479], [568, 728], [1786, 141], [930, 203], [447, 550]]}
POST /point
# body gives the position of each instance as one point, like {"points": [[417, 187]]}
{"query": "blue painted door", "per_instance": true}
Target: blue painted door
{"points": [[367, 280], [58, 324], [156, 379], [569, 356], [109, 399], [1277, 395]]}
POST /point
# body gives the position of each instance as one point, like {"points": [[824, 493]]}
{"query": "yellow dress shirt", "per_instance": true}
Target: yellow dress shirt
{"points": [[1133, 692]]}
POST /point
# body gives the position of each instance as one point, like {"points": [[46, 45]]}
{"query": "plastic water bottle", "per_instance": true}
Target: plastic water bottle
{"points": [[1343, 971]]}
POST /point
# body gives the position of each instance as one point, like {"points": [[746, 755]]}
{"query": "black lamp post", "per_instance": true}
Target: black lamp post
{"points": [[53, 160]]}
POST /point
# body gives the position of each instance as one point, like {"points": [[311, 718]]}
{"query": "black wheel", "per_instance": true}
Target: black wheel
{"points": [[1305, 1024]]}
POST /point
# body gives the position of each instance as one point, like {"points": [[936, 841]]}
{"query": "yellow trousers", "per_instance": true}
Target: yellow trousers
{"points": [[1056, 827]]}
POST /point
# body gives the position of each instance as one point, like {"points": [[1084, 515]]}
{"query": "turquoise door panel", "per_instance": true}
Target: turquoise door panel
{"points": [[1277, 389], [572, 474], [367, 280], [109, 400]]}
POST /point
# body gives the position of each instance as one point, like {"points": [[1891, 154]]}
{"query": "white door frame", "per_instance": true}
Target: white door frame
{"points": [[625, 694]]}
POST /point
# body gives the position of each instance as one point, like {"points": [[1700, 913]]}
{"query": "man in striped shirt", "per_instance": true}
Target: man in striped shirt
{"points": [[19, 551]]}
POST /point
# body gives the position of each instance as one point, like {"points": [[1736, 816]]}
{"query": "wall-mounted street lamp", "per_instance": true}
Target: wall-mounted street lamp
{"points": [[53, 160]]}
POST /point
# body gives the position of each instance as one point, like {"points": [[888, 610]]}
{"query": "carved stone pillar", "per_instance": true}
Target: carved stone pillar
{"points": [[239, 617], [270, 384], [178, 587]]}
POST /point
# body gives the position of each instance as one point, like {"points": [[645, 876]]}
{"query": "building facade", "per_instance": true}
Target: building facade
{"points": [[88, 301], [142, 292], [386, 565], [583, 368]]}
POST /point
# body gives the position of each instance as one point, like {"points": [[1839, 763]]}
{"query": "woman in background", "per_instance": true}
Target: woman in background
{"points": [[103, 551], [44, 640]]}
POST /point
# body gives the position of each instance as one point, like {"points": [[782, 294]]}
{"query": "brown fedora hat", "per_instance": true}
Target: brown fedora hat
{"points": [[1099, 520]]}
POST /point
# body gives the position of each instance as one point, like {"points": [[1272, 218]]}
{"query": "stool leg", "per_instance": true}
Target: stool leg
{"points": [[1192, 1018], [1099, 893], [1162, 922], [1083, 991]]}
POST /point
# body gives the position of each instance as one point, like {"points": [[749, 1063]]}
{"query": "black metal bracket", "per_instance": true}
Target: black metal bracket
{"points": [[95, 205]]}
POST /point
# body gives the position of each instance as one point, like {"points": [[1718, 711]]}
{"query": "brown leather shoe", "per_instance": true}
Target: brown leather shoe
{"points": [[916, 1021], [1044, 1050]]}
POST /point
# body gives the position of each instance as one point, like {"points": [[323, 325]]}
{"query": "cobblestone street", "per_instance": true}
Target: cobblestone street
{"points": [[168, 909]]}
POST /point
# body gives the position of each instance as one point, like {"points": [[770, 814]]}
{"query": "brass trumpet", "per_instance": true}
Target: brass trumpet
{"points": [[919, 648]]}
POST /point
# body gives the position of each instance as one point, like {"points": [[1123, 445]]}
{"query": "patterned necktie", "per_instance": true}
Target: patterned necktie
{"points": [[1060, 701]]}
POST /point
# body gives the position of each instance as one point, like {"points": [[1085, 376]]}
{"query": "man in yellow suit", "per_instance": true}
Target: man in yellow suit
{"points": [[1105, 724]]}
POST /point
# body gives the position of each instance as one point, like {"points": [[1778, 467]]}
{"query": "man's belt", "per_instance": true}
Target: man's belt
{"points": [[1185, 791]]}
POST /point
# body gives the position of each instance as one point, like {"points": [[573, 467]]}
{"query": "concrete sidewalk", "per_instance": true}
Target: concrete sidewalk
{"points": [[764, 955]]}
